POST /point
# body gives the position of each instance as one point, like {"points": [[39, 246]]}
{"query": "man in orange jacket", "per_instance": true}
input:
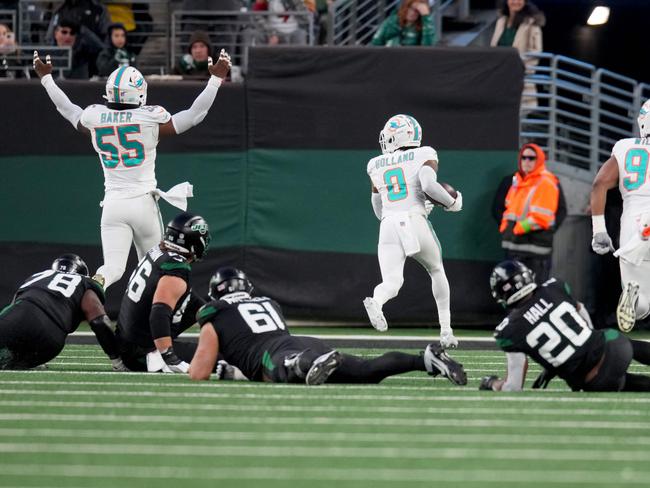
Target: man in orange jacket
{"points": [[528, 221]]}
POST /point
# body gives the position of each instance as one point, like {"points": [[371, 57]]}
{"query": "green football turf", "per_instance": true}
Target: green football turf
{"points": [[79, 425]]}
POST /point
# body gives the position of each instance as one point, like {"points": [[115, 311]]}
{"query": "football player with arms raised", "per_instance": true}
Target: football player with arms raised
{"points": [[125, 133], [249, 332], [159, 303], [548, 325], [628, 168], [46, 308], [401, 180]]}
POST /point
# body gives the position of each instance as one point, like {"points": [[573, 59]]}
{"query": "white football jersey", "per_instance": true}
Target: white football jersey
{"points": [[395, 175], [126, 141], [633, 157]]}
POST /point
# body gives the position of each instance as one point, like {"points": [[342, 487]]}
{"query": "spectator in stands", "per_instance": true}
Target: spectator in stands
{"points": [[116, 53], [85, 13], [530, 216], [410, 25], [7, 46], [136, 20], [520, 25], [281, 29], [85, 48], [195, 62]]}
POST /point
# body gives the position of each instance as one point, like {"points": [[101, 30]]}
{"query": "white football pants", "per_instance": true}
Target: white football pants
{"points": [[392, 254], [633, 272], [128, 220]]}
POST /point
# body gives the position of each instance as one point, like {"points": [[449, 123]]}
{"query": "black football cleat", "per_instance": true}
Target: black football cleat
{"points": [[437, 361], [322, 367]]}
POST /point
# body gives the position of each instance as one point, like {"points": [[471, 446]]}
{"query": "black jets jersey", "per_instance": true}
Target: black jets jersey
{"points": [[133, 319], [250, 330], [59, 295], [548, 328]]}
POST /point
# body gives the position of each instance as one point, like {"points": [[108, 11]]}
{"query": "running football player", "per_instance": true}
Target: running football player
{"points": [[628, 168], [46, 308], [401, 179], [548, 325], [125, 133], [159, 303], [251, 334]]}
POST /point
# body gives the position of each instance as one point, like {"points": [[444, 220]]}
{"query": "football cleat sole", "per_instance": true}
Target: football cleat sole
{"points": [[375, 315], [322, 367], [626, 309], [436, 360]]}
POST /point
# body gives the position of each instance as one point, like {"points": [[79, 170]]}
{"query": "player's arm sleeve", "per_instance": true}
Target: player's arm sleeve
{"points": [[207, 313], [516, 371], [194, 115], [375, 199], [69, 111], [430, 185]]}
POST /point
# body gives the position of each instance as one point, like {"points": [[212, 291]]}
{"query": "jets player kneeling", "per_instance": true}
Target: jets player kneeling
{"points": [[546, 323], [401, 180], [46, 308], [251, 334], [159, 303], [626, 168], [125, 134]]}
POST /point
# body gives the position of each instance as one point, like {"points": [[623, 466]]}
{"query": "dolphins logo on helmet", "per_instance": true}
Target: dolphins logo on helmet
{"points": [[126, 85], [400, 131]]}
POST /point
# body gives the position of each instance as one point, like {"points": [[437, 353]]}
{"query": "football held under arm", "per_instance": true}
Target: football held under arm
{"points": [[430, 185]]}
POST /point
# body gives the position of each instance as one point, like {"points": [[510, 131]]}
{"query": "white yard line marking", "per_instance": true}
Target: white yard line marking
{"points": [[449, 412], [466, 475], [327, 420], [329, 436]]}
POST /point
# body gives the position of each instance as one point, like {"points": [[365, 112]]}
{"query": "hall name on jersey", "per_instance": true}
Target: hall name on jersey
{"points": [[394, 159], [115, 117], [537, 311]]}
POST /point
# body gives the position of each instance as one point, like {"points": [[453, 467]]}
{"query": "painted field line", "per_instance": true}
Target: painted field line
{"points": [[329, 395], [449, 412], [330, 436], [327, 420], [328, 452], [498, 476]]}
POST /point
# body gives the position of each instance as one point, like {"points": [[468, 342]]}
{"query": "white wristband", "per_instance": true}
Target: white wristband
{"points": [[598, 224], [215, 81]]}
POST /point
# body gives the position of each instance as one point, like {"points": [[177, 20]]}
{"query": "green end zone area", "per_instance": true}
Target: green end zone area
{"points": [[77, 425]]}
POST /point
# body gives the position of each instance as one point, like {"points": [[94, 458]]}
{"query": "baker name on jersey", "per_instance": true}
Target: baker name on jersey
{"points": [[394, 159], [537, 311], [115, 117]]}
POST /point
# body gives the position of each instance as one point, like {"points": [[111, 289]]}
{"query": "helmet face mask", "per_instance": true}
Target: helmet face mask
{"points": [[511, 281], [644, 119], [188, 235], [228, 280], [400, 131], [126, 85], [70, 263]]}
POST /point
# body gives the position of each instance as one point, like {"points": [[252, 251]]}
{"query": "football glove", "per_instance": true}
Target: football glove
{"points": [[173, 362], [543, 380], [487, 382], [457, 206], [118, 365], [602, 243], [428, 206]]}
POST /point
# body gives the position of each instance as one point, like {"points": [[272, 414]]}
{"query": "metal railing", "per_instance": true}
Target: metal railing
{"points": [[576, 111], [353, 22], [8, 18], [236, 31], [21, 59]]}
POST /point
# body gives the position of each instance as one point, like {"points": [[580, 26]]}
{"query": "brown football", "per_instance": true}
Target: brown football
{"points": [[450, 189]]}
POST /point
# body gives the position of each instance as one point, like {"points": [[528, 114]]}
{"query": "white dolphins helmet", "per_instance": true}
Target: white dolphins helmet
{"points": [[126, 85], [644, 119], [400, 131]]}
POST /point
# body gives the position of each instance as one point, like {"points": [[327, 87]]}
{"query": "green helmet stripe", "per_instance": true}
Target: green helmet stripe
{"points": [[116, 87]]}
